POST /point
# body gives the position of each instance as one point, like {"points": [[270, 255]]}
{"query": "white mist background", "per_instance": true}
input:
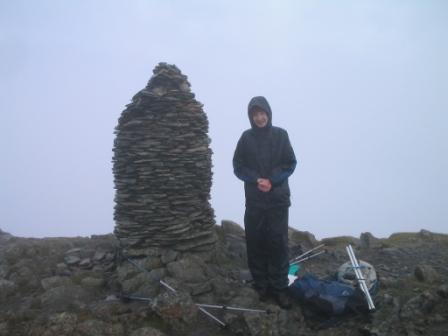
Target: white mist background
{"points": [[361, 87]]}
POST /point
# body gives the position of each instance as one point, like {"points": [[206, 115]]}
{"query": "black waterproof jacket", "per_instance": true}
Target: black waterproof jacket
{"points": [[264, 153]]}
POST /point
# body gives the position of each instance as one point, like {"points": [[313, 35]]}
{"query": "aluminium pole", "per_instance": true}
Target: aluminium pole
{"points": [[360, 277]]}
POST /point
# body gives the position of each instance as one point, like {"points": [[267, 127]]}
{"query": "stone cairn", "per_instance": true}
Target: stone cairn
{"points": [[162, 168]]}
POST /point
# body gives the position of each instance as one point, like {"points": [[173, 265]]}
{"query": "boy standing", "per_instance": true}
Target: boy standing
{"points": [[264, 159]]}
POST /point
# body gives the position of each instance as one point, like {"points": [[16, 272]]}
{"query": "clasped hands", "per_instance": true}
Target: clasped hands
{"points": [[264, 185]]}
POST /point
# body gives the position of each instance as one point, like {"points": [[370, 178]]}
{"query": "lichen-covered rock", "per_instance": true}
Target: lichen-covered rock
{"points": [[61, 324], [7, 288], [187, 269], [144, 284], [147, 331], [64, 297], [176, 308], [99, 328], [55, 281]]}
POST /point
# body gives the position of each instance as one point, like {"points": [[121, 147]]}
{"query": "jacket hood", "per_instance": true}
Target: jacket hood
{"points": [[260, 102]]}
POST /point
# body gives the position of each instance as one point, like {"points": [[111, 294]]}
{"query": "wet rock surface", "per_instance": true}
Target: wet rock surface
{"points": [[43, 293]]}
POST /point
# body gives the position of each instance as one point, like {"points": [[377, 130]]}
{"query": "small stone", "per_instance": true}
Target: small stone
{"points": [[109, 257], [388, 299], [72, 260], [73, 251], [111, 297], [201, 288], [99, 255], [169, 256], [85, 263], [147, 331], [62, 270]]}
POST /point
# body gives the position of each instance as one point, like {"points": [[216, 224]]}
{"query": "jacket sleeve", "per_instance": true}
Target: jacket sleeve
{"points": [[240, 169], [287, 165]]}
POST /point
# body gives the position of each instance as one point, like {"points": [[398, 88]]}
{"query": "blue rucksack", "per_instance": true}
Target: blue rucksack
{"points": [[328, 297]]}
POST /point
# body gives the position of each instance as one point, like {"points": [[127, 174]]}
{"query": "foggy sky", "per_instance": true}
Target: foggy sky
{"points": [[360, 86]]}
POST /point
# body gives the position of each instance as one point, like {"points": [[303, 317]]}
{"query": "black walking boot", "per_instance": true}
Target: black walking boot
{"points": [[282, 299], [263, 293]]}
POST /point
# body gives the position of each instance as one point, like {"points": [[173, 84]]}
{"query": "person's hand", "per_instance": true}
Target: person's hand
{"points": [[264, 185]]}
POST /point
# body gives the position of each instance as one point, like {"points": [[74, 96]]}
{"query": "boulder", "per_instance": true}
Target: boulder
{"points": [[232, 228], [187, 269], [4, 236], [303, 238], [177, 309], [426, 273], [418, 306], [368, 240], [442, 291], [7, 288], [144, 284]]}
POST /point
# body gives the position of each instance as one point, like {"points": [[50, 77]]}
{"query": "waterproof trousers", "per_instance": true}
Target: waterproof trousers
{"points": [[267, 246]]}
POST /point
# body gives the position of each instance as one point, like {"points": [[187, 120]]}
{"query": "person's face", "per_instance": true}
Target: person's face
{"points": [[260, 118]]}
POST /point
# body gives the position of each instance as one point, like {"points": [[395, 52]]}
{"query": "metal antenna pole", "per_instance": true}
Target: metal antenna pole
{"points": [[212, 317], [203, 305], [360, 277], [306, 258], [307, 252], [231, 308]]}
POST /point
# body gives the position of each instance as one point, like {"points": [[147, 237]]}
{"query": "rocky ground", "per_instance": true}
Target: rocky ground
{"points": [[75, 286]]}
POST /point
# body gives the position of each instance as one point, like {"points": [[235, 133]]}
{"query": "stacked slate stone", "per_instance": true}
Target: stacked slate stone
{"points": [[162, 167]]}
